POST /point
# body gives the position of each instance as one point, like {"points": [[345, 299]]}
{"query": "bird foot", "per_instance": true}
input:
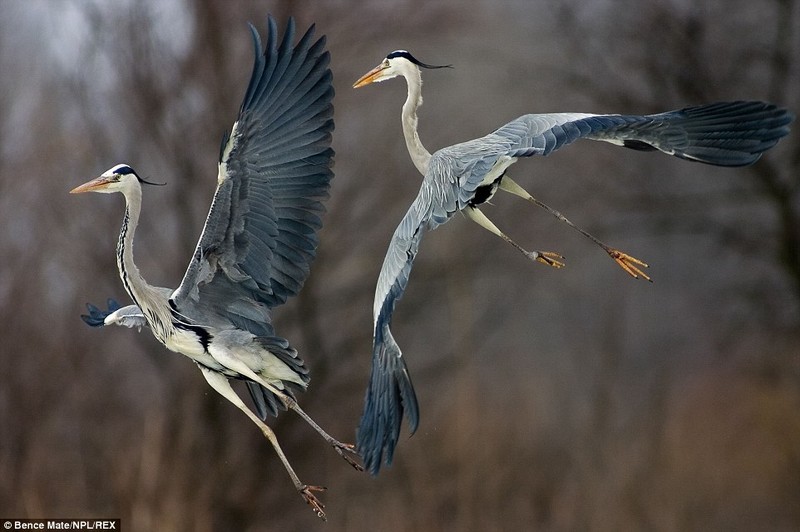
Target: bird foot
{"points": [[348, 451], [550, 258], [307, 493], [629, 264]]}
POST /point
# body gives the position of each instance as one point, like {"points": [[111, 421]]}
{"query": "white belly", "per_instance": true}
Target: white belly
{"points": [[233, 352], [236, 350], [188, 343], [185, 342]]}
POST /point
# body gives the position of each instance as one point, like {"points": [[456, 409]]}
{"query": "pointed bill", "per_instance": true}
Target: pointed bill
{"points": [[94, 185], [371, 76]]}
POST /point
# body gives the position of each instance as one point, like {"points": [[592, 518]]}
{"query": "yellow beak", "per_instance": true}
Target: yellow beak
{"points": [[369, 77], [94, 185]]}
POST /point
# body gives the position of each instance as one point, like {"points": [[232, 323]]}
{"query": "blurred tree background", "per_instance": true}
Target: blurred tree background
{"points": [[576, 399]]}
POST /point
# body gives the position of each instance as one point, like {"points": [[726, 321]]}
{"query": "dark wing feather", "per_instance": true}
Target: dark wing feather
{"points": [[97, 316], [390, 392], [722, 133], [130, 316], [726, 134], [275, 169]]}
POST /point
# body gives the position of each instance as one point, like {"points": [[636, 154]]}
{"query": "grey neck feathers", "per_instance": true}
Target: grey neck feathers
{"points": [[419, 155], [154, 306]]}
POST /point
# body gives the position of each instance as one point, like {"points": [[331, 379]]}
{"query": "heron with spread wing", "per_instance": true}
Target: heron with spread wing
{"points": [[258, 241], [462, 177]]}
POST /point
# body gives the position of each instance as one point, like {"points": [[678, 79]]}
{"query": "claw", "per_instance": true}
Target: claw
{"points": [[307, 493], [345, 450], [548, 257], [629, 264]]}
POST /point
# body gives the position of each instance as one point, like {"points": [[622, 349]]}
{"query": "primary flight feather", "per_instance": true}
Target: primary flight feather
{"points": [[462, 177], [258, 241]]}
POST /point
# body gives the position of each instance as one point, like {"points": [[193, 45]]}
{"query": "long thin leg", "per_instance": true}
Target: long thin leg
{"points": [[220, 383], [626, 262], [545, 257], [345, 450]]}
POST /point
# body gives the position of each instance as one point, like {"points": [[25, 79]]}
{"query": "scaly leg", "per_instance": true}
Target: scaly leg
{"points": [[625, 261], [220, 383], [545, 257], [345, 450]]}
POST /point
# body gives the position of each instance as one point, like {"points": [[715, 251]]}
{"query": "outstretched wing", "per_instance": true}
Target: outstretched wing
{"points": [[274, 172], [726, 134], [722, 133], [390, 394]]}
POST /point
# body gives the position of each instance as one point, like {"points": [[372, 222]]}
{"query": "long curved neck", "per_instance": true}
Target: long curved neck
{"points": [[419, 155], [144, 295], [132, 280]]}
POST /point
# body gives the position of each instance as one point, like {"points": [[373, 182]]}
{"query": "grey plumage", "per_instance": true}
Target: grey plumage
{"points": [[261, 234], [463, 176], [258, 240]]}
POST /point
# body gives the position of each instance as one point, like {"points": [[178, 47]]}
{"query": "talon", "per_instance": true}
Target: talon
{"points": [[629, 264], [548, 257], [347, 449], [313, 501]]}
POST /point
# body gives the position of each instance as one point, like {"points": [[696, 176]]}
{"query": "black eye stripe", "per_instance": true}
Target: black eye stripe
{"points": [[124, 169], [406, 55]]}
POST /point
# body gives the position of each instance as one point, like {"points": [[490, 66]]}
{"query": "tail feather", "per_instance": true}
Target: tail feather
{"points": [[390, 394], [267, 403]]}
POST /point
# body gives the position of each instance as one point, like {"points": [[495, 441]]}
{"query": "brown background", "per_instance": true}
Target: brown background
{"points": [[576, 399]]}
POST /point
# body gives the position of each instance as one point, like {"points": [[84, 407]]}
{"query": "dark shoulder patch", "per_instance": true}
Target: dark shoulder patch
{"points": [[637, 145], [203, 336]]}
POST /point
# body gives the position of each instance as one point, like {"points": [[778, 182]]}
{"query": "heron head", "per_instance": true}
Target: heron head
{"points": [[116, 179], [397, 63]]}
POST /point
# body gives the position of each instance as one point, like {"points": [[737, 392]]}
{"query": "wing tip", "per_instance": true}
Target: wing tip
{"points": [[390, 398]]}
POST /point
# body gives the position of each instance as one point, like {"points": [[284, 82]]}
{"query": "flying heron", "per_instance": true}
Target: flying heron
{"points": [[258, 241], [462, 177]]}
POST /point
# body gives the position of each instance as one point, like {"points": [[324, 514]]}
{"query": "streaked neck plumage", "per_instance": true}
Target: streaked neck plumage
{"points": [[155, 308], [419, 155]]}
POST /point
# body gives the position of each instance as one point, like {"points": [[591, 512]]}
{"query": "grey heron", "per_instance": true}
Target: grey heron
{"points": [[257, 243], [462, 177]]}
